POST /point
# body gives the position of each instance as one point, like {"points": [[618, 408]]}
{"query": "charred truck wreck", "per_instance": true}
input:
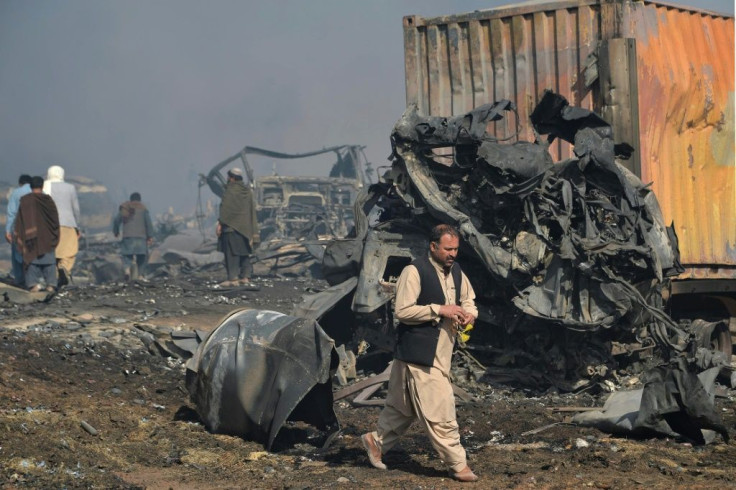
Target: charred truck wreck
{"points": [[298, 214], [290, 206], [568, 259]]}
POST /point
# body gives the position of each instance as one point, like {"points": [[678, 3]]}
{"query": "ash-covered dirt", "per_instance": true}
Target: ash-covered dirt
{"points": [[84, 404]]}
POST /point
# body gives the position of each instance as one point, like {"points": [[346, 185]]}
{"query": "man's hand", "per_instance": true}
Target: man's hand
{"points": [[148, 241], [218, 230], [454, 313], [467, 319], [9, 237]]}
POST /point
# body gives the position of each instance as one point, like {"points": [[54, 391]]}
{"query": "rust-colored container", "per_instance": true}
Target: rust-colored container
{"points": [[661, 74]]}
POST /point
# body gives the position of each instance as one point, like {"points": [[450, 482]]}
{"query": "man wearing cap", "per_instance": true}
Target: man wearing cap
{"points": [[237, 228], [64, 195]]}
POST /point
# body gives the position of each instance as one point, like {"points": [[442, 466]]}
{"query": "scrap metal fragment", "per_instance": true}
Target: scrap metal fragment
{"points": [[673, 402], [21, 296], [257, 369]]}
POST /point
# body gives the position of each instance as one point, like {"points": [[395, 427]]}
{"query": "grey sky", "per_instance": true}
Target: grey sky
{"points": [[143, 95]]}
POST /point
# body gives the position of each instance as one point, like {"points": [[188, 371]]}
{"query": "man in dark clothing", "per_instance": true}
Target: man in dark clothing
{"points": [[137, 228], [36, 235], [237, 228]]}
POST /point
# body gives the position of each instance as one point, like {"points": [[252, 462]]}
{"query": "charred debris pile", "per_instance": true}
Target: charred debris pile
{"points": [[568, 259]]}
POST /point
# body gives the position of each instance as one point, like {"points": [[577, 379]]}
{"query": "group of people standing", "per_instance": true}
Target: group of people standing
{"points": [[42, 227]]}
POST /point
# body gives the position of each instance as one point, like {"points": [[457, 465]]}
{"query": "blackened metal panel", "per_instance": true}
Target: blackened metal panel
{"points": [[480, 60], [523, 46], [619, 93], [459, 63], [501, 65]]}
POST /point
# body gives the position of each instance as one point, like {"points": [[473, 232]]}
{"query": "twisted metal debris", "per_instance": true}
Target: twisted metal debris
{"points": [[567, 258]]}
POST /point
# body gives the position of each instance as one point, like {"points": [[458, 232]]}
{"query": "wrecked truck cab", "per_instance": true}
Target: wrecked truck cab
{"points": [[287, 204], [568, 259], [385, 254], [297, 214]]}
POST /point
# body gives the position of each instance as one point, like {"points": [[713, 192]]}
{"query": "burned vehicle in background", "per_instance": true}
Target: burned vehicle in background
{"points": [[568, 259], [289, 205], [299, 215]]}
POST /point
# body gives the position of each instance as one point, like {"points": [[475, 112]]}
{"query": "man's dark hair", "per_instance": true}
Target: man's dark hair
{"points": [[440, 230], [24, 179], [37, 182], [135, 196]]}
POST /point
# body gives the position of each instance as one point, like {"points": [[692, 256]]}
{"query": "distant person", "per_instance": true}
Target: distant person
{"points": [[433, 299], [37, 235], [237, 227], [24, 187], [137, 227], [64, 195]]}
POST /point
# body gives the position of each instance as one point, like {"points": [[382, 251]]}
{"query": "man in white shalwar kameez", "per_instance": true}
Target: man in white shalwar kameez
{"points": [[430, 309]]}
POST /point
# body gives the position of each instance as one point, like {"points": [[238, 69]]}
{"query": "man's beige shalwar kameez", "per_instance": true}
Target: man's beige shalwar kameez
{"points": [[420, 392], [67, 249]]}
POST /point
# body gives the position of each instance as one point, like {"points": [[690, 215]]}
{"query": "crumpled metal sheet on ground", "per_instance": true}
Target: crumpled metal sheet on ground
{"points": [[316, 305], [258, 369], [186, 246], [20, 296], [192, 259], [289, 257], [673, 402], [566, 258]]}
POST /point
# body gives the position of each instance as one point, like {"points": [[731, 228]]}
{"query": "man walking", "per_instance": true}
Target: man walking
{"points": [[237, 227], [37, 235], [24, 187], [137, 228], [64, 195], [433, 299]]}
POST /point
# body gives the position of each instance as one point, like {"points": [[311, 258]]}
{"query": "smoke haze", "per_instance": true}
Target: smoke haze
{"points": [[145, 95]]}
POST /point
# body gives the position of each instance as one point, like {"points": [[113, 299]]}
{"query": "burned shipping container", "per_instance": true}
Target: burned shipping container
{"points": [[662, 75]]}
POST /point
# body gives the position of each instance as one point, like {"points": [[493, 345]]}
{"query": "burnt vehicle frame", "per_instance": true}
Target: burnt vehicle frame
{"points": [[568, 259], [289, 205]]}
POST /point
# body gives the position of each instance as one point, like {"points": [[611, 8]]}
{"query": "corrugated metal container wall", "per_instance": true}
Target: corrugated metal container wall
{"points": [[455, 63], [685, 66], [684, 72]]}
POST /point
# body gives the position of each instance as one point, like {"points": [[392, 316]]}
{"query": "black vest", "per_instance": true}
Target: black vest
{"points": [[417, 344]]}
